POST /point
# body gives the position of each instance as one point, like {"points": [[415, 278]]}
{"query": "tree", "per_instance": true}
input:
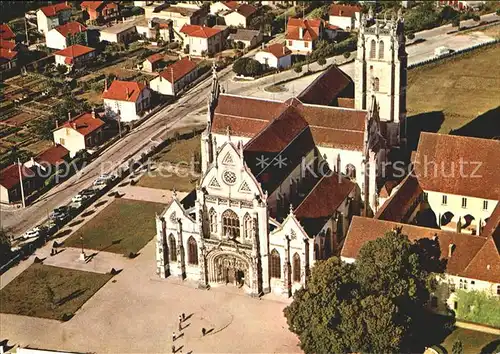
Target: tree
{"points": [[321, 61], [43, 128], [458, 347], [5, 251], [347, 55], [247, 67], [61, 69], [476, 17], [456, 22], [253, 67], [297, 67]]}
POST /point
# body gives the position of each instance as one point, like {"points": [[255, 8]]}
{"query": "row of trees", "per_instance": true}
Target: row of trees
{"points": [[376, 305]]}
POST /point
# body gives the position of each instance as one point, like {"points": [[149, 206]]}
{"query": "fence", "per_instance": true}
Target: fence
{"points": [[455, 53]]}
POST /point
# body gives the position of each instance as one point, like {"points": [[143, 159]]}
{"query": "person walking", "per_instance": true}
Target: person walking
{"points": [[173, 349], [173, 337], [183, 317], [203, 331], [180, 327]]}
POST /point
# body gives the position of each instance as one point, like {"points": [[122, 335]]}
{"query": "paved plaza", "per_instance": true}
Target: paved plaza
{"points": [[136, 312]]}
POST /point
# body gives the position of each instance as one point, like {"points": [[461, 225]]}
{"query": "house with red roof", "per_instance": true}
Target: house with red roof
{"points": [[175, 77], [126, 101], [51, 16], [221, 6], [202, 40], [8, 59], [346, 17], [303, 34], [100, 11], [240, 16], [76, 55], [62, 36], [84, 132], [152, 63], [275, 56], [6, 32], [47, 162], [10, 183]]}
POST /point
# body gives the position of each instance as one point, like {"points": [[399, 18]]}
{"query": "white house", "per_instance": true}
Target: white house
{"points": [[58, 37], [119, 33], [275, 56], [202, 40], [302, 34], [126, 100], [51, 16], [220, 6], [249, 38], [240, 16], [175, 77], [346, 17], [74, 56]]}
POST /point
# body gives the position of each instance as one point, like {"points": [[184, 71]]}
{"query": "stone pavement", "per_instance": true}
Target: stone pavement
{"points": [[148, 194], [137, 312]]}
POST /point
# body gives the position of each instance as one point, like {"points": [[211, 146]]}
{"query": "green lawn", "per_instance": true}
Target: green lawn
{"points": [[124, 226], [50, 292], [449, 94], [180, 151], [473, 341], [168, 181]]}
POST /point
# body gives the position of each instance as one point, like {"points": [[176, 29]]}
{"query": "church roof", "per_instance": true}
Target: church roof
{"points": [[326, 87]]}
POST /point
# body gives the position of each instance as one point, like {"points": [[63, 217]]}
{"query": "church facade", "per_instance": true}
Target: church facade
{"points": [[280, 184]]}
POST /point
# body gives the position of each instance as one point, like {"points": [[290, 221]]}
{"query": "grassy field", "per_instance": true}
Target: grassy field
{"points": [[167, 160], [449, 94], [50, 292], [474, 342], [124, 226]]}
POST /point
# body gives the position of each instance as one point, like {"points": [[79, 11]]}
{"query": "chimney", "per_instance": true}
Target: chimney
{"points": [[338, 164], [57, 123], [301, 32], [93, 112], [105, 84], [128, 93], [451, 248], [74, 126], [69, 116]]}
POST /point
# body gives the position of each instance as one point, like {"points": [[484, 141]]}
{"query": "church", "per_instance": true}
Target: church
{"points": [[281, 181]]}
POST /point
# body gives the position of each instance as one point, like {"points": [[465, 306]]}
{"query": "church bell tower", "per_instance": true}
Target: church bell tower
{"points": [[381, 73]]}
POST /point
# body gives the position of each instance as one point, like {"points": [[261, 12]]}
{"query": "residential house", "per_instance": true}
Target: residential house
{"points": [[10, 183], [49, 161], [152, 63], [275, 3], [240, 16], [60, 37], [275, 56], [302, 34], [472, 263], [249, 38], [126, 101], [461, 5], [120, 33], [100, 11], [52, 16], [179, 14], [75, 56], [6, 32], [175, 77], [203, 40], [346, 17], [150, 28], [8, 59], [221, 6], [84, 132], [12, 45]]}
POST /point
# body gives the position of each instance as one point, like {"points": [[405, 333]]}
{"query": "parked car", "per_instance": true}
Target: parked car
{"points": [[34, 232], [88, 193], [79, 198], [60, 213]]}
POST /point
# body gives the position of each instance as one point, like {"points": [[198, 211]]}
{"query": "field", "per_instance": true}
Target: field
{"points": [[448, 95], [474, 342], [50, 292], [124, 226]]}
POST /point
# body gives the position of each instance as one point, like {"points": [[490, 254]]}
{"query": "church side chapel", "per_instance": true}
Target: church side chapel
{"points": [[281, 181]]}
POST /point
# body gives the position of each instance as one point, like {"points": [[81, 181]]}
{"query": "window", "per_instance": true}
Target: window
{"points": [[455, 305], [275, 264], [230, 224], [444, 200], [306, 44], [464, 202], [192, 251], [463, 284], [376, 84], [296, 268], [372, 49], [452, 287], [425, 197], [212, 216], [381, 50], [485, 205], [498, 289], [290, 43], [62, 141], [172, 248], [247, 226]]}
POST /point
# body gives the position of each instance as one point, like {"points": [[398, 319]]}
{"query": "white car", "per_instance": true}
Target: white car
{"points": [[34, 232], [79, 198]]}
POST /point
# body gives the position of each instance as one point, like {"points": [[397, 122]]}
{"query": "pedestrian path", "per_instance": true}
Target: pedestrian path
{"points": [[148, 194]]}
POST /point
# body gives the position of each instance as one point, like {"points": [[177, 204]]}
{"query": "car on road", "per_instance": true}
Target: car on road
{"points": [[88, 193], [60, 213], [79, 198], [34, 232]]}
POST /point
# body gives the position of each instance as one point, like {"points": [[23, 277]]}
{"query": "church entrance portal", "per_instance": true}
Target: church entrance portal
{"points": [[230, 269]]}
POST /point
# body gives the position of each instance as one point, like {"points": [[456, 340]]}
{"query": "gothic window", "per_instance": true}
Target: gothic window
{"points": [[316, 251], [229, 177], [165, 253], [230, 224], [172, 248], [212, 215], [275, 264], [192, 251], [173, 218], [247, 226], [376, 84], [296, 267], [373, 49], [381, 50]]}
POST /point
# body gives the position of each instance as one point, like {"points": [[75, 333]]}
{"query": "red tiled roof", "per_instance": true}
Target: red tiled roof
{"points": [[466, 247], [96, 5], [246, 10], [199, 31], [326, 87], [232, 4], [179, 69], [155, 57], [344, 10], [85, 124], [325, 197], [7, 53], [5, 32], [464, 165], [124, 91], [9, 176], [7, 44], [345, 102], [338, 139], [53, 156], [52, 10], [74, 51], [71, 28], [278, 50], [311, 29], [396, 207], [331, 27], [493, 222]]}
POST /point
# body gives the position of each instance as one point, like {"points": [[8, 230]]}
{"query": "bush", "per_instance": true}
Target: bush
{"points": [[247, 67], [411, 36], [297, 67], [173, 45], [186, 49], [347, 55], [476, 18], [478, 307], [455, 22], [321, 61]]}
